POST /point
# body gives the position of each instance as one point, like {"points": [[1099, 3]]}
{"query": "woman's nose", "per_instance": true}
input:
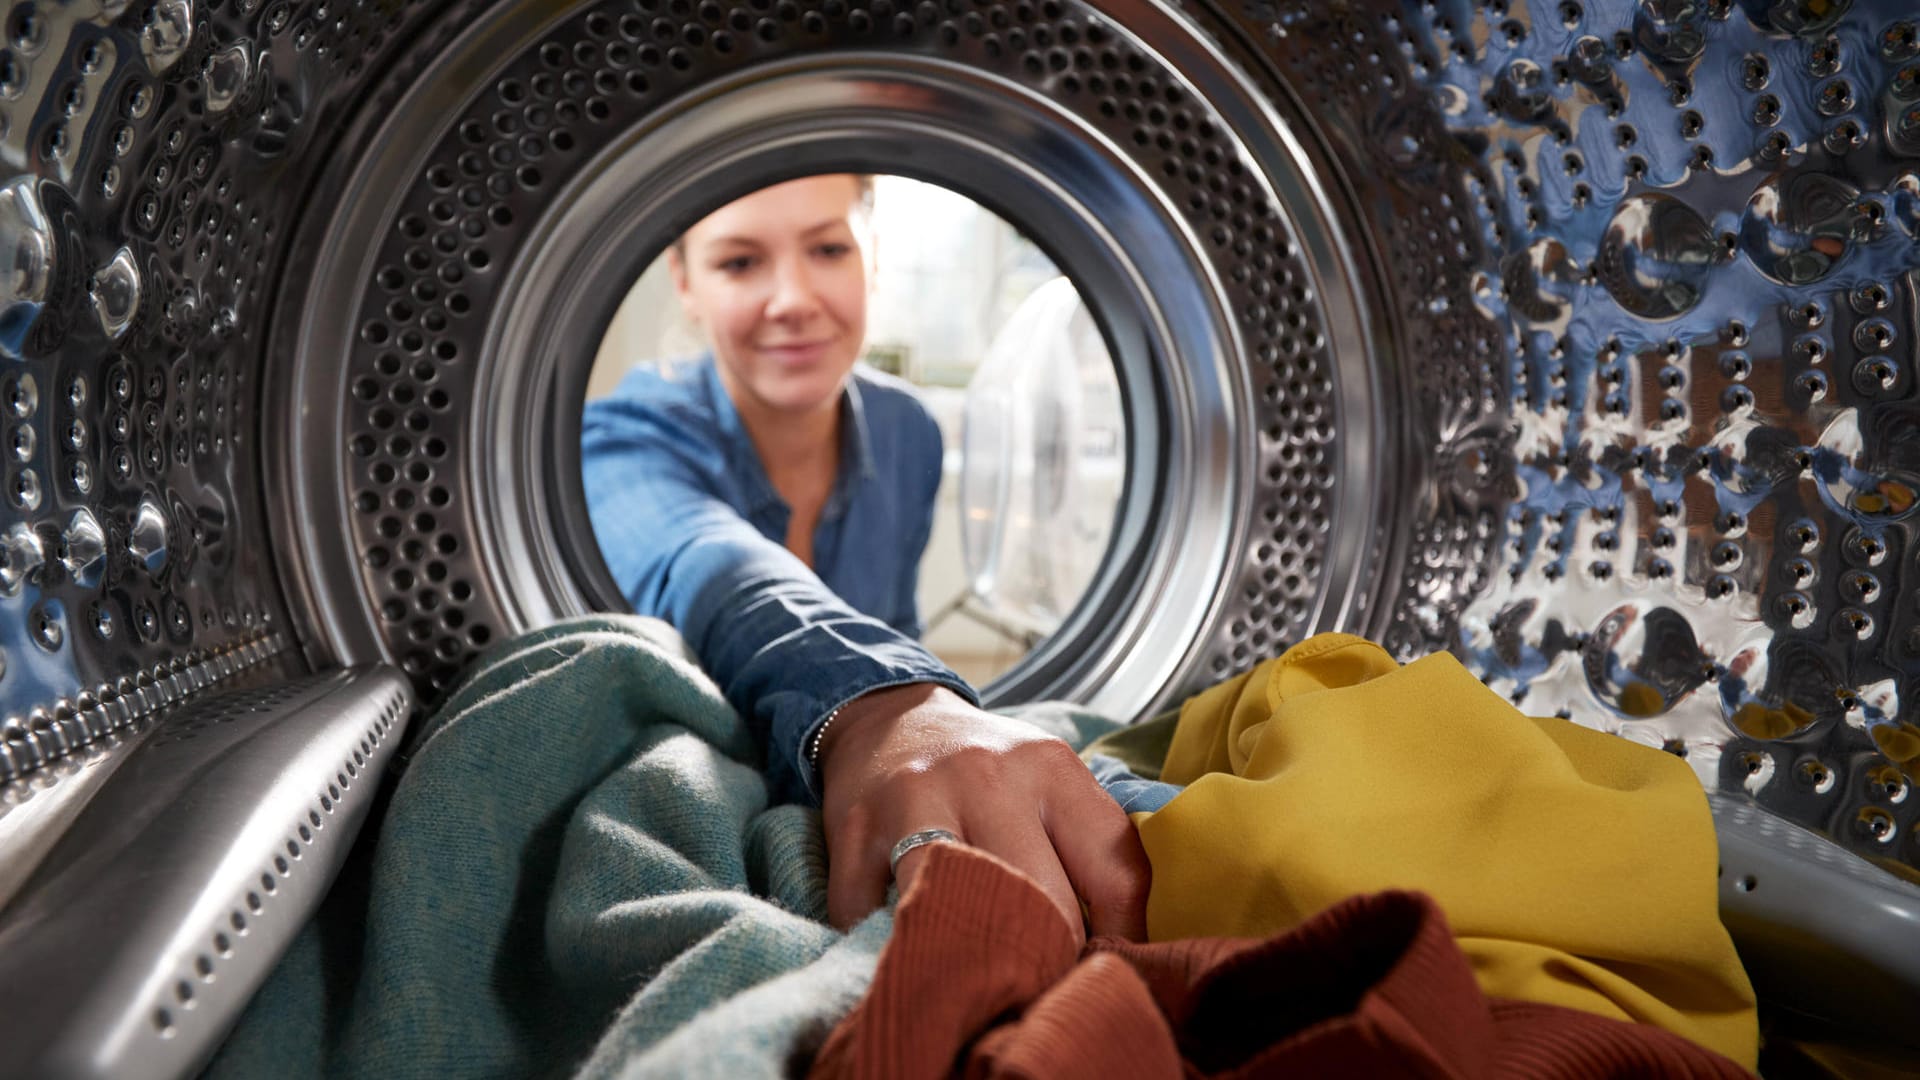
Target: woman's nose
{"points": [[794, 295]]}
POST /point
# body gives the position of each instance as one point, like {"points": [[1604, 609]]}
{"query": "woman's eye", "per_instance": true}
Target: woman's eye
{"points": [[834, 251], [739, 264]]}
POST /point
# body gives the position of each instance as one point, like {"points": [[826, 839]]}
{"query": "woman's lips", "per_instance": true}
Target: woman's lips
{"points": [[803, 354]]}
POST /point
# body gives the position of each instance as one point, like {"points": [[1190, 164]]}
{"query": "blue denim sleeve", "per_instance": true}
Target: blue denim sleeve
{"points": [[783, 647], [927, 451]]}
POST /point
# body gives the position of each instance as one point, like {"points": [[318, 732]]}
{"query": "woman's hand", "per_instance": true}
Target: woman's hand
{"points": [[915, 757]]}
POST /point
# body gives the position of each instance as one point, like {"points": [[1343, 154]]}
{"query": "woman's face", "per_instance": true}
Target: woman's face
{"points": [[778, 283]]}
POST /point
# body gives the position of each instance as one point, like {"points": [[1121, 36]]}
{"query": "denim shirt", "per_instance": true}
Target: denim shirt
{"points": [[694, 533]]}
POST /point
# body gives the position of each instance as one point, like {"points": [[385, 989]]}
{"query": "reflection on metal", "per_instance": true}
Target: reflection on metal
{"points": [[154, 150], [147, 538], [46, 739], [150, 185], [168, 31], [26, 263], [148, 988], [116, 293], [227, 75], [1706, 537]]}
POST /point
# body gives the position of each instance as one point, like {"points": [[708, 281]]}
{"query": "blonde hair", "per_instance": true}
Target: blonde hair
{"points": [[863, 181]]}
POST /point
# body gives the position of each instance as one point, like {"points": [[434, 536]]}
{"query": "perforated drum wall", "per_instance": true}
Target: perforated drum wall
{"points": [[437, 281]]}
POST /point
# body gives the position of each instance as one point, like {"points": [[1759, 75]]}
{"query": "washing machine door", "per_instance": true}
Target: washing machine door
{"points": [[1573, 337]]}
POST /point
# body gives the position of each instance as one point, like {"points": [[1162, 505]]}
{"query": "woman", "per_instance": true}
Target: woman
{"points": [[773, 505]]}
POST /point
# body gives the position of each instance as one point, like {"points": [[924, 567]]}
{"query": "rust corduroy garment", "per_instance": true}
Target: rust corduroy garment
{"points": [[982, 978]]}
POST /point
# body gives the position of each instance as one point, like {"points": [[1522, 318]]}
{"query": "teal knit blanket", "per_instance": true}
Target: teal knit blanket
{"points": [[576, 872]]}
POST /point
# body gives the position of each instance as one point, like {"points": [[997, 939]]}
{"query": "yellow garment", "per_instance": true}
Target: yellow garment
{"points": [[1576, 868]]}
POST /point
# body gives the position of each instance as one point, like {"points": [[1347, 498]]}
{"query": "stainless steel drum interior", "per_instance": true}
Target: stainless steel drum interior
{"points": [[1574, 337], [439, 191]]}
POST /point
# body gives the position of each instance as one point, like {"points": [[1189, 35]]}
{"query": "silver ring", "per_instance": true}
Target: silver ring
{"points": [[916, 839]]}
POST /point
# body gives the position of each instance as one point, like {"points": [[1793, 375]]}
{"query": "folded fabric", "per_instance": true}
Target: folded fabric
{"points": [[982, 978], [1576, 868]]}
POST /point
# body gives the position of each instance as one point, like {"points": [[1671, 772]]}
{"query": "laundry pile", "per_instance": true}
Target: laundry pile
{"points": [[1576, 868], [982, 972], [1565, 923], [1357, 866]]}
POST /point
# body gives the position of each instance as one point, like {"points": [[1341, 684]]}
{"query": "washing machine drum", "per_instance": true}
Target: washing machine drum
{"points": [[1573, 337]]}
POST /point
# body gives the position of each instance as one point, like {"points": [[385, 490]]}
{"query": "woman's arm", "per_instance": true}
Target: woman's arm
{"points": [[783, 647], [908, 749]]}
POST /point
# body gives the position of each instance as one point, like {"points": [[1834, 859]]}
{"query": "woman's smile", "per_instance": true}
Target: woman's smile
{"points": [[791, 355]]}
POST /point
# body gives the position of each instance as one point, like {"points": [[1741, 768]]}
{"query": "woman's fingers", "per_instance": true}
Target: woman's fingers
{"points": [[908, 868], [1099, 850], [857, 865], [909, 758], [1015, 835], [854, 891], [1091, 862]]}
